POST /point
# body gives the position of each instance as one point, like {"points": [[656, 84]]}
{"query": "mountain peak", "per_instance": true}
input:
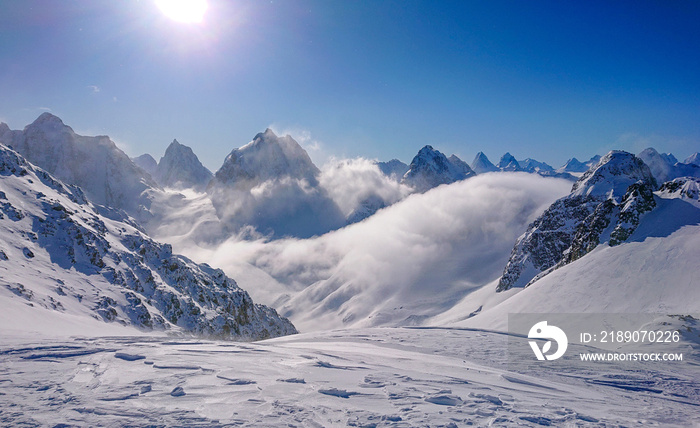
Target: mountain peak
{"points": [[482, 164], [48, 117], [147, 163], [665, 166], [266, 157], [96, 164], [693, 159], [615, 172], [430, 168], [573, 165], [508, 163], [180, 168]]}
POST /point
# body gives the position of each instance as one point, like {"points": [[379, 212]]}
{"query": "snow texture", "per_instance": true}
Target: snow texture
{"points": [[362, 377]]}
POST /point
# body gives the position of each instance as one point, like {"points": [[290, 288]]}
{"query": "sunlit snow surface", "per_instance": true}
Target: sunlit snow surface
{"points": [[361, 377]]}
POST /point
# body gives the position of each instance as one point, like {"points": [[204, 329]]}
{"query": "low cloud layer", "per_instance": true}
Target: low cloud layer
{"points": [[350, 182], [411, 260]]}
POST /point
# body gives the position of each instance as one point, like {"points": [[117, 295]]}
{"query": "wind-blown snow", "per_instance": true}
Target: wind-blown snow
{"points": [[361, 377]]}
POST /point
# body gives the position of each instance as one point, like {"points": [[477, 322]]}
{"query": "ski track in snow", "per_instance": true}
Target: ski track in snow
{"points": [[366, 377]]}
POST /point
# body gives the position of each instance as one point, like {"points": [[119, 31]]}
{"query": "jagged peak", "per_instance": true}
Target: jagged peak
{"points": [[427, 149], [481, 164], [176, 147], [480, 156], [428, 153]]}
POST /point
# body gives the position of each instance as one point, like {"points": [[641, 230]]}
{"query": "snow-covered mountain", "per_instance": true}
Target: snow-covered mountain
{"points": [[652, 272], [534, 166], [57, 253], [147, 163], [95, 164], [573, 165], [181, 169], [430, 168], [272, 185], [394, 169], [693, 159], [508, 163], [482, 164], [266, 157], [665, 166], [605, 205]]}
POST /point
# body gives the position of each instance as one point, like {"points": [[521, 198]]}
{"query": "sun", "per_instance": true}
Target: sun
{"points": [[187, 11]]}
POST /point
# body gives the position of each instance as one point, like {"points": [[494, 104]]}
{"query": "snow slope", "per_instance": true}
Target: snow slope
{"points": [[59, 253], [360, 377], [573, 165], [654, 271]]}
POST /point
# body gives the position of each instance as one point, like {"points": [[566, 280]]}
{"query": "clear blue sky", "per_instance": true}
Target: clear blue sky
{"points": [[380, 79]]}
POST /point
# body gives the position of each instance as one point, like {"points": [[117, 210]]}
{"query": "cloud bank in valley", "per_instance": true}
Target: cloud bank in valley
{"points": [[411, 260], [351, 182]]}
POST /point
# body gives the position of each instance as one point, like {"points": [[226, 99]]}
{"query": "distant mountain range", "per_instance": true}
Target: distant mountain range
{"points": [[76, 211], [255, 178]]}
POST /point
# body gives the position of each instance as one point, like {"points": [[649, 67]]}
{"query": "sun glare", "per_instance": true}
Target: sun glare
{"points": [[187, 11]]}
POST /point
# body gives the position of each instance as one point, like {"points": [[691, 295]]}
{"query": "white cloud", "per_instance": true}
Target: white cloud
{"points": [[94, 89], [349, 182], [415, 258]]}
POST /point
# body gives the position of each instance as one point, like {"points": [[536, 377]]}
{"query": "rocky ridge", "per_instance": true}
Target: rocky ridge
{"points": [[58, 252]]}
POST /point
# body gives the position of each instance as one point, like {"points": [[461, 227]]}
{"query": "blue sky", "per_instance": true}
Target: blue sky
{"points": [[379, 79]]}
